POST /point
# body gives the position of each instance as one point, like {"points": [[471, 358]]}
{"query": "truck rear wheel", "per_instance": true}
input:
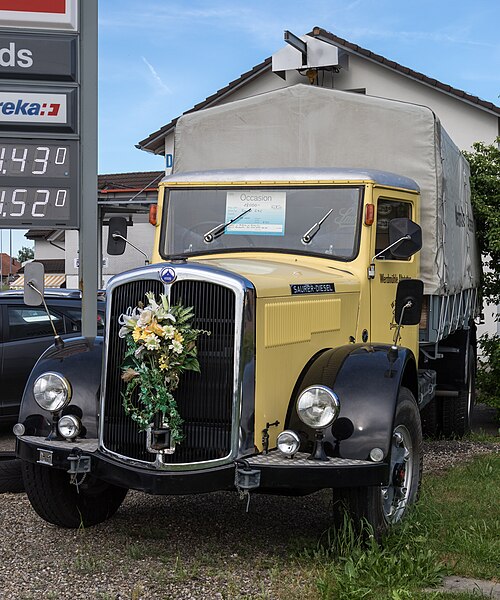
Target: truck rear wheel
{"points": [[384, 506], [457, 410], [429, 416], [59, 502]]}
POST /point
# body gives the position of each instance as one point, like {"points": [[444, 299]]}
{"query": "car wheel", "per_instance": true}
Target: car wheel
{"points": [[11, 479], [384, 506], [61, 503]]}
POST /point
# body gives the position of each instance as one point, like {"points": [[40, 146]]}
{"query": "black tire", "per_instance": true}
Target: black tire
{"points": [[382, 506], [456, 416], [11, 479], [59, 502], [431, 422]]}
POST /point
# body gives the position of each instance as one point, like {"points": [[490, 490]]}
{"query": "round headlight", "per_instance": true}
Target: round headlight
{"points": [[52, 391], [69, 426], [318, 406], [288, 442]]}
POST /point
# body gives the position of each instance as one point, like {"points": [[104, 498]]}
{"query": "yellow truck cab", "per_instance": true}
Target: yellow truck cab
{"points": [[340, 318]]}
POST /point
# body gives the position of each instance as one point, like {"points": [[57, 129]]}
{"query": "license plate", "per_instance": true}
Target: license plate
{"points": [[45, 457]]}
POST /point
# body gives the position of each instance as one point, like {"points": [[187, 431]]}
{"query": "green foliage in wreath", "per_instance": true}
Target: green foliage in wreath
{"points": [[161, 346]]}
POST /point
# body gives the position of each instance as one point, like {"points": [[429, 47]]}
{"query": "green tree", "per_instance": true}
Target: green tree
{"points": [[25, 254], [485, 195]]}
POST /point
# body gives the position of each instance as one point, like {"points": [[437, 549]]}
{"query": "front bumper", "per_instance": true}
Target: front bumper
{"points": [[276, 473]]}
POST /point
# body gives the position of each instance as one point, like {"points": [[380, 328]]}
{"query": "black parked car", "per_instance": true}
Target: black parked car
{"points": [[25, 332]]}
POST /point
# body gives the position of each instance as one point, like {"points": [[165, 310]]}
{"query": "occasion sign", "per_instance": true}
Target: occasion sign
{"points": [[256, 212], [42, 14]]}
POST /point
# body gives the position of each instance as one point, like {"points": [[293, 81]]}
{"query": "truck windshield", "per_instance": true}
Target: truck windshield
{"points": [[324, 221]]}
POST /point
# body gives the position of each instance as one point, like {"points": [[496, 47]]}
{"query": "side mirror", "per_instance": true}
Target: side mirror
{"points": [[117, 236], [33, 278], [409, 298], [410, 235]]}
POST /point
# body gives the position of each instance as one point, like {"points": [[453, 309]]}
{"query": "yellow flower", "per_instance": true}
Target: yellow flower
{"points": [[157, 329], [137, 333], [163, 363], [178, 337]]}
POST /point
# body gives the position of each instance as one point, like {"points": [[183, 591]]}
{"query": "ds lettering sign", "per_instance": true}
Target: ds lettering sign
{"points": [[38, 57], [12, 57]]}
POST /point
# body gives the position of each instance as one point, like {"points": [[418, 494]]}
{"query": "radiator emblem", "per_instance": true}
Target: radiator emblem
{"points": [[168, 275]]}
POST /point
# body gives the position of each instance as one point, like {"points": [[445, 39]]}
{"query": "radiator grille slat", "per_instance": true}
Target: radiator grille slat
{"points": [[205, 400]]}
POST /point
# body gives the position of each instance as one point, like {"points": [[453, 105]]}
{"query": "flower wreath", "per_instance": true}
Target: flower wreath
{"points": [[161, 345]]}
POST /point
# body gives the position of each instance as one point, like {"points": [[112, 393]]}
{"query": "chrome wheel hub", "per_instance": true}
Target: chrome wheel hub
{"points": [[395, 496]]}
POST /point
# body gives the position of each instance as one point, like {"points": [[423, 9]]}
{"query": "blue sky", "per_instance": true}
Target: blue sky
{"points": [[158, 58]]}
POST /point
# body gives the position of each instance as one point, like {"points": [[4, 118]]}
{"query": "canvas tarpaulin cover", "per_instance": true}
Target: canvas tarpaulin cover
{"points": [[308, 126]]}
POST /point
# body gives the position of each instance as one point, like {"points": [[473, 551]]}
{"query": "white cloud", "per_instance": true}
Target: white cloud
{"points": [[163, 88]]}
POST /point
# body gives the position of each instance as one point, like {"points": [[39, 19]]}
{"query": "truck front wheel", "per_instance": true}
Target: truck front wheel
{"points": [[385, 506], [61, 503]]}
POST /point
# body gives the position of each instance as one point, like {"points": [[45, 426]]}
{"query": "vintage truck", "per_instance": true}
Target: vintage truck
{"points": [[326, 240]]}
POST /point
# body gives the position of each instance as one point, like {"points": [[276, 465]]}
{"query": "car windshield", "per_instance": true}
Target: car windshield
{"points": [[312, 220]]}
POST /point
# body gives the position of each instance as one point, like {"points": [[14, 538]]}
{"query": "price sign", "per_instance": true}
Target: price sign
{"points": [[38, 183]]}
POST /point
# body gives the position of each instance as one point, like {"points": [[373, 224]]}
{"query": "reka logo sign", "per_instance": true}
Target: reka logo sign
{"points": [[32, 108], [43, 6]]}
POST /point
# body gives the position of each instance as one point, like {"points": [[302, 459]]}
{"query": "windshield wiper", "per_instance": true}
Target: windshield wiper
{"points": [[220, 229], [310, 233]]}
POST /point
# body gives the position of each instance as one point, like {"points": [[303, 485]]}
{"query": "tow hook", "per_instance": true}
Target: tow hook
{"points": [[246, 479], [79, 464]]}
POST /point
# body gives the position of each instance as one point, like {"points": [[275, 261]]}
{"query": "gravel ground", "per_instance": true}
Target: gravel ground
{"points": [[184, 547]]}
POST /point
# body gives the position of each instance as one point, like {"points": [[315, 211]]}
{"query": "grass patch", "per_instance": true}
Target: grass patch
{"points": [[455, 529], [466, 517], [356, 567]]}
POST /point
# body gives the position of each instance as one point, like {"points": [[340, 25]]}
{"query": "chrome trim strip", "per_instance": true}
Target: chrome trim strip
{"points": [[244, 292], [290, 176]]}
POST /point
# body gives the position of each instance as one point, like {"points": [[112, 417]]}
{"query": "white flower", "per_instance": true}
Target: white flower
{"points": [[169, 331], [129, 319], [164, 315], [145, 317], [152, 301], [152, 342], [124, 331], [176, 346]]}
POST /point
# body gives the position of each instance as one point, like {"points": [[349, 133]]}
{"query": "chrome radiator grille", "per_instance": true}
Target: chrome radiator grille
{"points": [[205, 400]]}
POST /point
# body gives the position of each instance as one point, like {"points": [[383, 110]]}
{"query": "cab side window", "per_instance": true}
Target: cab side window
{"points": [[28, 322], [387, 210]]}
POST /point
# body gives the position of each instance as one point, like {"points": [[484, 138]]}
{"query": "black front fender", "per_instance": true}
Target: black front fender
{"points": [[80, 363], [367, 380]]}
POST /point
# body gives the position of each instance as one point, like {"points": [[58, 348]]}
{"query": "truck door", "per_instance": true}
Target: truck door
{"points": [[388, 272]]}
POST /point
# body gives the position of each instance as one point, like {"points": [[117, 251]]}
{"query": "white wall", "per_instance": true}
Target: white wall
{"points": [[45, 250], [141, 235]]}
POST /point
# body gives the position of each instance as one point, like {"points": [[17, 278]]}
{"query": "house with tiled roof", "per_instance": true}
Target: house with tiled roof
{"points": [[8, 268], [466, 117]]}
